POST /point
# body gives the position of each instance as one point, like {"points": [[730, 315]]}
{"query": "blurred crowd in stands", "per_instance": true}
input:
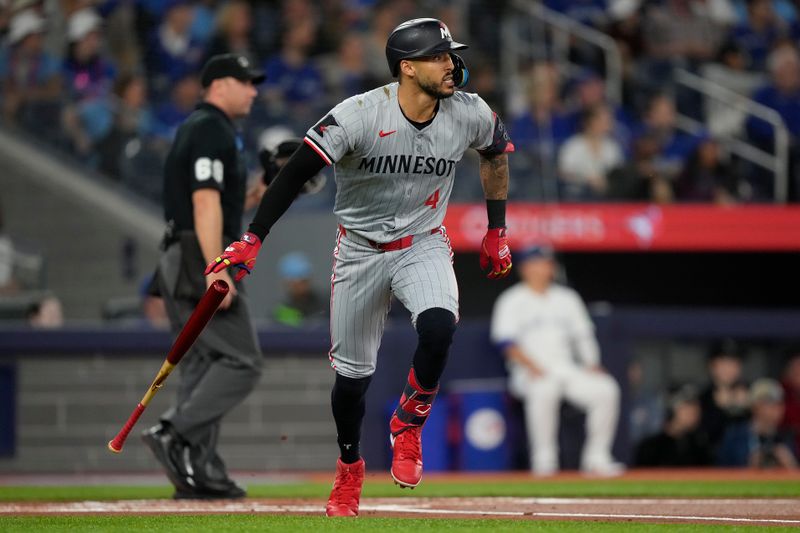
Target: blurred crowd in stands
{"points": [[110, 80], [722, 421]]}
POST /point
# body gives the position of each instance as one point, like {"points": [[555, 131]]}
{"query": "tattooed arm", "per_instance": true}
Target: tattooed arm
{"points": [[494, 179], [494, 176], [494, 248]]}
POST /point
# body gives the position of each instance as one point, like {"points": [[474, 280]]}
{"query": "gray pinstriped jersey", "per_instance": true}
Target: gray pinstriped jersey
{"points": [[392, 179]]}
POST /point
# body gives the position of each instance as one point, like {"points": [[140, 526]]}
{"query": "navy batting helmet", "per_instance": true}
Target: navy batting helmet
{"points": [[419, 38]]}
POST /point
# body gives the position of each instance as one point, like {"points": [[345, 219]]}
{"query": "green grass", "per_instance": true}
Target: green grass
{"points": [[239, 523], [372, 489]]}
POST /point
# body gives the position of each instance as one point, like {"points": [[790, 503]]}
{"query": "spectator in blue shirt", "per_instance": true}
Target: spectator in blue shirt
{"points": [[760, 32], [131, 119], [785, 9], [293, 78], [301, 302], [758, 442], [234, 24], [540, 130], [87, 73], [782, 95], [89, 78], [202, 29], [172, 50], [30, 80], [544, 121], [675, 146], [183, 97], [588, 92], [346, 71]]}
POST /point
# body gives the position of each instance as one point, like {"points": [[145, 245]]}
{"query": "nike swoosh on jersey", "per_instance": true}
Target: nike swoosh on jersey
{"points": [[385, 133]]}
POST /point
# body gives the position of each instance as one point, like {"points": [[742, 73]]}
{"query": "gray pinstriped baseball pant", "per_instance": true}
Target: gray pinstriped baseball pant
{"points": [[362, 283]]}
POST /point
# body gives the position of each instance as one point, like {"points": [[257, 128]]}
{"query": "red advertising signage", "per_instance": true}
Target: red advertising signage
{"points": [[634, 227]]}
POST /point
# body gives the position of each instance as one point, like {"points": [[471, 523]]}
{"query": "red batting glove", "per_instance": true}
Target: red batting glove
{"points": [[241, 254], [495, 253]]}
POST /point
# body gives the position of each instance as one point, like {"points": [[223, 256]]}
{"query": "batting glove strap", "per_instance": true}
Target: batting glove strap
{"points": [[495, 254], [240, 254]]}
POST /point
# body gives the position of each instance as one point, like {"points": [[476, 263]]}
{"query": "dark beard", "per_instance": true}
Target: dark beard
{"points": [[432, 89]]}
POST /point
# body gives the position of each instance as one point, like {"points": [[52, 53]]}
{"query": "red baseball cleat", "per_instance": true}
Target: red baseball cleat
{"points": [[346, 491], [407, 458]]}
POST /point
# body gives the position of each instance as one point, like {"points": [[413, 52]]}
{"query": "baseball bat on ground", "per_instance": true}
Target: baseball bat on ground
{"points": [[197, 321]]}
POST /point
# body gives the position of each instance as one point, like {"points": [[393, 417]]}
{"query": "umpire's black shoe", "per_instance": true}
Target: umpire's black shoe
{"points": [[220, 491], [169, 449]]}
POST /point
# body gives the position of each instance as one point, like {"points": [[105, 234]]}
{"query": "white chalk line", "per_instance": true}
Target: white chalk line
{"points": [[409, 507], [155, 507], [669, 517], [649, 501], [396, 508]]}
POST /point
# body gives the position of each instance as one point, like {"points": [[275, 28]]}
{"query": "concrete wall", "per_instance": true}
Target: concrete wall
{"points": [[68, 408]]}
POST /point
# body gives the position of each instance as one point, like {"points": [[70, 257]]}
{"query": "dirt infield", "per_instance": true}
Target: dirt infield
{"points": [[639, 474], [742, 511], [784, 512]]}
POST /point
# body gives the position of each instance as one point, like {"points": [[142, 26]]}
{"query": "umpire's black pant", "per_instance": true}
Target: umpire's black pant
{"points": [[216, 374]]}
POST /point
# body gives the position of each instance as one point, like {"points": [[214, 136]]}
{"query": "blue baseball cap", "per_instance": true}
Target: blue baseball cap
{"points": [[294, 265], [536, 251]]}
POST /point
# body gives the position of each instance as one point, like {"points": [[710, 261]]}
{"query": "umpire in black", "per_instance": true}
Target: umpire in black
{"points": [[205, 184]]}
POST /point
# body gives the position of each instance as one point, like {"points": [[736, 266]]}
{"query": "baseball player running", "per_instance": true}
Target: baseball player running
{"points": [[395, 149]]}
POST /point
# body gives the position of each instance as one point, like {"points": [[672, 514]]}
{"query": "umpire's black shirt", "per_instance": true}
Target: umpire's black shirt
{"points": [[205, 154]]}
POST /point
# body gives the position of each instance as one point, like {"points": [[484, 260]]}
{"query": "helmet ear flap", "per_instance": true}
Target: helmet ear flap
{"points": [[460, 71]]}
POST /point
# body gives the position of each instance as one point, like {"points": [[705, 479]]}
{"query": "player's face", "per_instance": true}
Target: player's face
{"points": [[538, 271], [435, 75]]}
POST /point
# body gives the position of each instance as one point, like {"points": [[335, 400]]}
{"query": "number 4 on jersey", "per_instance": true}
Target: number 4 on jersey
{"points": [[433, 199]]}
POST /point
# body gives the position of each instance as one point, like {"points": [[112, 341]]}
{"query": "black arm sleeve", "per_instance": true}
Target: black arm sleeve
{"points": [[301, 167]]}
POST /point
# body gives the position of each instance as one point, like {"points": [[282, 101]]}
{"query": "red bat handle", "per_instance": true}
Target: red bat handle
{"points": [[117, 442], [200, 317]]}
